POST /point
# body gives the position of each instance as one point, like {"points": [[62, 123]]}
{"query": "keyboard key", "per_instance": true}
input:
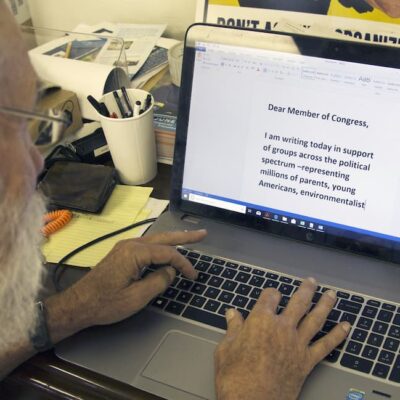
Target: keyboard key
{"points": [[271, 284], [206, 258], [184, 284], [243, 289], [391, 344], [193, 254], [328, 326], [359, 335], [394, 332], [240, 301], [215, 270], [316, 297], [258, 272], [380, 327], [229, 273], [354, 347], [255, 293], [374, 303], [212, 293], [349, 306], [245, 268], [342, 295], [375, 340], [205, 317], [224, 307], [203, 277], [381, 371], [334, 315], [370, 312], [356, 363], [251, 304], [182, 251], [184, 297], [202, 266], [370, 352], [242, 277], [333, 356], [396, 320], [357, 299], [232, 265], [286, 289], [284, 301], [286, 279], [218, 261], [364, 323], [175, 308], [388, 307], [244, 313], [347, 317], [198, 288], [385, 316], [159, 302], [229, 285], [170, 293], [192, 260], [215, 281], [271, 275], [257, 281], [395, 374], [212, 305], [386, 357], [198, 301], [318, 336], [297, 283], [226, 297]]}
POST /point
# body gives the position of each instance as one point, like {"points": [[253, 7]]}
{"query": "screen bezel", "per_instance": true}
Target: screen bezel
{"points": [[340, 50]]}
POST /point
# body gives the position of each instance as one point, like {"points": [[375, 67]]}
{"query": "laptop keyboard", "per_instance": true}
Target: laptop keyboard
{"points": [[372, 346]]}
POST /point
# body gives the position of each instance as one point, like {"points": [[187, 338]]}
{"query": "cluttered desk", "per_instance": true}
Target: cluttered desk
{"points": [[279, 203]]}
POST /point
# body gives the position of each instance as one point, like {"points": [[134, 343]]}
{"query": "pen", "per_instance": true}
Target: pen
{"points": [[97, 106], [148, 102], [137, 106], [119, 104], [104, 110], [128, 102]]}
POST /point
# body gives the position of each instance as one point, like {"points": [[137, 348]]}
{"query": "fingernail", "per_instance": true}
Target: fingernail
{"points": [[346, 327], [202, 230], [331, 294], [312, 280], [229, 314]]}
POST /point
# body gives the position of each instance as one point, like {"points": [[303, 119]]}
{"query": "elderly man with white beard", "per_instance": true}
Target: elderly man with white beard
{"points": [[113, 290]]}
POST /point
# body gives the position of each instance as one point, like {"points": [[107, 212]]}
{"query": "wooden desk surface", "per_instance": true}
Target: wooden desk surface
{"points": [[46, 377]]}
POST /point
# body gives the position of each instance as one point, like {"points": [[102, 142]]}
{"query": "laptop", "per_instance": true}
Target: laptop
{"points": [[287, 152]]}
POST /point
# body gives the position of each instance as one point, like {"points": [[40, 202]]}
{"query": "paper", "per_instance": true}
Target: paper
{"points": [[125, 206]]}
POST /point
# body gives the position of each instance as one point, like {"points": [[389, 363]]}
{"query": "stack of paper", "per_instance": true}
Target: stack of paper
{"points": [[127, 205]]}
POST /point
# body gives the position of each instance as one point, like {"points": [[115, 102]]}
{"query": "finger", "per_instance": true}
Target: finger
{"points": [[314, 321], [234, 321], [148, 254], [267, 302], [321, 348], [151, 286], [300, 301], [175, 238]]}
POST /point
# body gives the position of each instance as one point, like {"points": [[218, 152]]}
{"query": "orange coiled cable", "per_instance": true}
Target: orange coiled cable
{"points": [[55, 220]]}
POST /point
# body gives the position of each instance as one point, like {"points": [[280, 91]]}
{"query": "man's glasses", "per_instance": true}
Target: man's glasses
{"points": [[46, 128]]}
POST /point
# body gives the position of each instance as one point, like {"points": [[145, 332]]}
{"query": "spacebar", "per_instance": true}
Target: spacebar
{"points": [[205, 317]]}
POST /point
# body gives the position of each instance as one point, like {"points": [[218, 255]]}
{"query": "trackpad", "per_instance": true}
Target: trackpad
{"points": [[184, 362]]}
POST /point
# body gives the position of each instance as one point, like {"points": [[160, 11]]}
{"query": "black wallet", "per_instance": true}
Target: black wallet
{"points": [[78, 186]]}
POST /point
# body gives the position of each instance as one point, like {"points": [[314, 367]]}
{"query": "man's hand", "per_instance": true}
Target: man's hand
{"points": [[389, 7], [113, 290], [269, 356]]}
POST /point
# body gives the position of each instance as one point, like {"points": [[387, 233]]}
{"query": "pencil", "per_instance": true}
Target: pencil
{"points": [[68, 50]]}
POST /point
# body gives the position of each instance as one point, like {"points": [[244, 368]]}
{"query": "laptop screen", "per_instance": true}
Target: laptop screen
{"points": [[304, 141]]}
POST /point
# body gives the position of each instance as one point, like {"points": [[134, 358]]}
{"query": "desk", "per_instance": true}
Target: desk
{"points": [[46, 377]]}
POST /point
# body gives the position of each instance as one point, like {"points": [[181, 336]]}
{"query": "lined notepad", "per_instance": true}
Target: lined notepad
{"points": [[127, 205]]}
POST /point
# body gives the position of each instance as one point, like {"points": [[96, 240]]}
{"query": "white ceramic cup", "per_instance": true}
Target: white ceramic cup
{"points": [[131, 140]]}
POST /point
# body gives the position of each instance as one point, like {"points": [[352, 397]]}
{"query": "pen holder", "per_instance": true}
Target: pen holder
{"points": [[131, 140]]}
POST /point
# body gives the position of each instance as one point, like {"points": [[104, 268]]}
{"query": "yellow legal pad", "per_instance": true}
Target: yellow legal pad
{"points": [[125, 207]]}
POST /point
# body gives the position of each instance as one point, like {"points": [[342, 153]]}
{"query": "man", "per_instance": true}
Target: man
{"points": [[267, 356]]}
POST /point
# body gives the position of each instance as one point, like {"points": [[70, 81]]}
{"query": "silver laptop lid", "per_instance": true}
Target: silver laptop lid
{"points": [[293, 135]]}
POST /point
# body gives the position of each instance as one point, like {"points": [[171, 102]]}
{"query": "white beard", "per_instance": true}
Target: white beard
{"points": [[21, 269]]}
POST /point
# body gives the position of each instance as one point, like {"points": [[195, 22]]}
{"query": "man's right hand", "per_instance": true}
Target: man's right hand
{"points": [[269, 356]]}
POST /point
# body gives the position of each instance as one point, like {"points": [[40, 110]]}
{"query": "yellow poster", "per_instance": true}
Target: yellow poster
{"points": [[375, 21]]}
